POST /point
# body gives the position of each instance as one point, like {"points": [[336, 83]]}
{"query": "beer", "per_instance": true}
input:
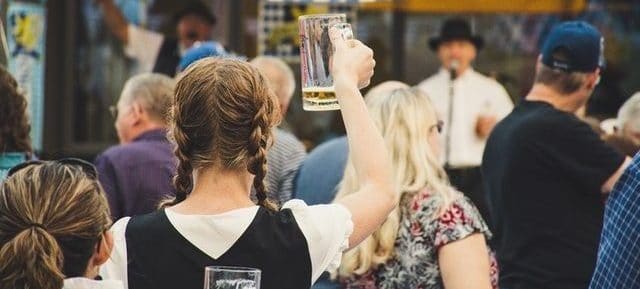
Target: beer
{"points": [[316, 53], [319, 98]]}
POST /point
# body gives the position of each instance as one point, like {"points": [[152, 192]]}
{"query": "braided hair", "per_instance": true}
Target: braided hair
{"points": [[222, 115]]}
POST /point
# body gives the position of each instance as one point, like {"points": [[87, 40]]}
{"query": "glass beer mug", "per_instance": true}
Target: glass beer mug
{"points": [[316, 52], [222, 277]]}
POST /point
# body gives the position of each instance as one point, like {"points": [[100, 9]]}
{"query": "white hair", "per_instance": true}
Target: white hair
{"points": [[284, 83], [629, 114], [153, 91]]}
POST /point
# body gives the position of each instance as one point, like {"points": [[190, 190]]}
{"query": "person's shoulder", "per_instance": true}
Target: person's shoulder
{"points": [[336, 144], [540, 114], [425, 205], [286, 149], [137, 150], [317, 215], [112, 153], [431, 80], [630, 179], [486, 81], [285, 138], [122, 152], [451, 218], [336, 149]]}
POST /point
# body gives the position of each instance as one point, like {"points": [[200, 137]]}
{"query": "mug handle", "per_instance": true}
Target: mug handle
{"points": [[347, 34], [345, 30]]}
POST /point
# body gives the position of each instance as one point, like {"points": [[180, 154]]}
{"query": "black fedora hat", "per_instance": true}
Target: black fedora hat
{"points": [[455, 29]]}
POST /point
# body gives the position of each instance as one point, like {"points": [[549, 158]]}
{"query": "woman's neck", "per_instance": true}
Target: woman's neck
{"points": [[217, 191]]}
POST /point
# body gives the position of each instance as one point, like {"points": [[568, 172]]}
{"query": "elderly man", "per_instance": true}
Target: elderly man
{"points": [[470, 104], [626, 138], [136, 175], [152, 50], [546, 172], [287, 153]]}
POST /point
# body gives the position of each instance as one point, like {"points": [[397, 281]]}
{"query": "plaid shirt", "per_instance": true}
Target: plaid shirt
{"points": [[618, 264]]}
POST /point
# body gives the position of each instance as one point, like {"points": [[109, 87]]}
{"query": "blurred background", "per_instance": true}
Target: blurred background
{"points": [[79, 67]]}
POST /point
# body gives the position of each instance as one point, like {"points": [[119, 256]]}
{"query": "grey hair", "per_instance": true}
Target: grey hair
{"points": [[153, 91], [287, 83], [629, 114]]}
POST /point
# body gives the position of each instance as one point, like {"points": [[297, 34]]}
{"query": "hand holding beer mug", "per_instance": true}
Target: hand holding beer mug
{"points": [[316, 57]]}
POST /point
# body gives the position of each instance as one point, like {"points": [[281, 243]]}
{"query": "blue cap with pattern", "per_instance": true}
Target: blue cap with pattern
{"points": [[201, 50], [574, 46]]}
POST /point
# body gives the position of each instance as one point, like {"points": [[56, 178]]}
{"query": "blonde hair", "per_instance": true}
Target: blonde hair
{"points": [[405, 118], [52, 216], [223, 112]]}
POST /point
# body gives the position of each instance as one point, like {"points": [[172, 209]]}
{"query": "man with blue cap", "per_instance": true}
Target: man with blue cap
{"points": [[547, 173], [154, 52]]}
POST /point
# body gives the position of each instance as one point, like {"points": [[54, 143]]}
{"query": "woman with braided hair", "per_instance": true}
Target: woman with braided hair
{"points": [[222, 119]]}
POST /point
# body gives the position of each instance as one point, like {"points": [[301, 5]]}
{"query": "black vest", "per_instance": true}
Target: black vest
{"points": [[159, 257], [168, 57]]}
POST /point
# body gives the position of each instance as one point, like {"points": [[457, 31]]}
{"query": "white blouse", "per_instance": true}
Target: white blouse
{"points": [[86, 283], [326, 228]]}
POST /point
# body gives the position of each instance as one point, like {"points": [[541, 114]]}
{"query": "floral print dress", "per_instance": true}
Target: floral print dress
{"points": [[415, 263]]}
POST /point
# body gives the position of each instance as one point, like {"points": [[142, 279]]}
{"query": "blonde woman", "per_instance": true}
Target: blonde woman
{"points": [[53, 227], [435, 238]]}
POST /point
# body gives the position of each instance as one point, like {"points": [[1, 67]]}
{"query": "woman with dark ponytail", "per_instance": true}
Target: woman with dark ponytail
{"points": [[53, 227], [222, 117]]}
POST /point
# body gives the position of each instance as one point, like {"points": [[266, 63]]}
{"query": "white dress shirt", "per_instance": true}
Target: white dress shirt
{"points": [[475, 95]]}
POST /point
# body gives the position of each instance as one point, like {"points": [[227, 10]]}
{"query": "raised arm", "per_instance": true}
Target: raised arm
{"points": [[353, 64], [115, 20]]}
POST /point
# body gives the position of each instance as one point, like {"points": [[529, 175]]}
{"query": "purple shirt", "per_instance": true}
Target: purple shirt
{"points": [[137, 176]]}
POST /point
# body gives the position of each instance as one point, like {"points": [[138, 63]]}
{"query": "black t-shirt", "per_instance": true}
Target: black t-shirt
{"points": [[544, 170]]}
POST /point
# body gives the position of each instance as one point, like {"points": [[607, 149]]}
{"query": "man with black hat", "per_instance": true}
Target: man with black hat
{"points": [[546, 172], [468, 102], [153, 51]]}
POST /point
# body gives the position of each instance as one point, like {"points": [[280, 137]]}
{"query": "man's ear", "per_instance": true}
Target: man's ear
{"points": [[137, 112], [539, 62], [593, 79]]}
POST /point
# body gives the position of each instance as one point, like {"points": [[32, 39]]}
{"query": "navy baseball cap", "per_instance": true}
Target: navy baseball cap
{"points": [[574, 46]]}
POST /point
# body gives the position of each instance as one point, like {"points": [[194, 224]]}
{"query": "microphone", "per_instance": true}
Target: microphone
{"points": [[453, 68]]}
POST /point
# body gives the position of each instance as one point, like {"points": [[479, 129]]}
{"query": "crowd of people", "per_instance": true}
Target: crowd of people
{"points": [[445, 184]]}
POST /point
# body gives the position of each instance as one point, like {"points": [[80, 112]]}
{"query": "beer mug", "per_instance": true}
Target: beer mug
{"points": [[316, 52], [223, 277]]}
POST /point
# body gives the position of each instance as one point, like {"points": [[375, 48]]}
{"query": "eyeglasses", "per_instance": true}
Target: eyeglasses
{"points": [[439, 126], [113, 110], [86, 167]]}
